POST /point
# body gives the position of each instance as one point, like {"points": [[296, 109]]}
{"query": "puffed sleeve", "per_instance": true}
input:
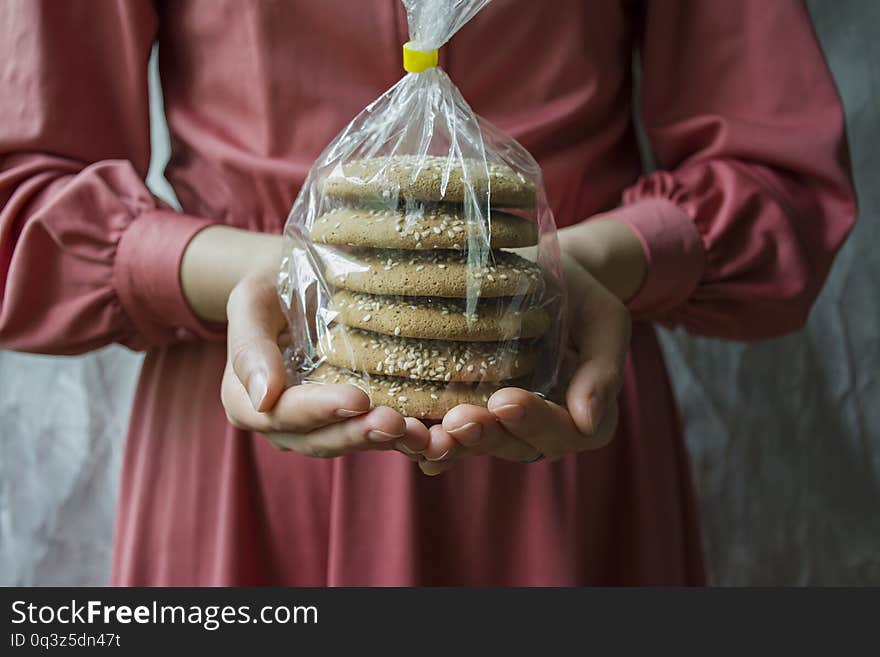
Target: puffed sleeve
{"points": [[87, 255], [753, 194]]}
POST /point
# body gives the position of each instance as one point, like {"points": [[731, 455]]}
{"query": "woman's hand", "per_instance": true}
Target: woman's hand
{"points": [[318, 420], [520, 426]]}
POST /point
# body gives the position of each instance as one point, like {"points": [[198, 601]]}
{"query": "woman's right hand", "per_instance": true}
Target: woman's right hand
{"points": [[319, 420]]}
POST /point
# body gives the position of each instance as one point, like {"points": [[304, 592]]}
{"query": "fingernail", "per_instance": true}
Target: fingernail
{"points": [[442, 457], [257, 388], [467, 433], [596, 410], [509, 412], [347, 412], [400, 447], [381, 437]]}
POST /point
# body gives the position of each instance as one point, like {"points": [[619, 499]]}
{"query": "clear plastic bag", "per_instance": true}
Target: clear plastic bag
{"points": [[420, 259]]}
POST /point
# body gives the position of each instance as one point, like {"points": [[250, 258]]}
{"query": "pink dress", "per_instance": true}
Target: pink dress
{"points": [[740, 224]]}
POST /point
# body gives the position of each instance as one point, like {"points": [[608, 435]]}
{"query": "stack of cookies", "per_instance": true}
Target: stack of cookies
{"points": [[399, 268]]}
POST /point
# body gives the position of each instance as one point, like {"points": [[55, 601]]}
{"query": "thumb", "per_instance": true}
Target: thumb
{"points": [[600, 332], [255, 320]]}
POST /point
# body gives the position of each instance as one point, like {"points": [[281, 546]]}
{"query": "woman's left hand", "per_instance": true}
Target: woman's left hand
{"points": [[518, 425]]}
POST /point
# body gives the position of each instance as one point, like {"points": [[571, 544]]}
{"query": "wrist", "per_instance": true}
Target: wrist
{"points": [[216, 259], [610, 251]]}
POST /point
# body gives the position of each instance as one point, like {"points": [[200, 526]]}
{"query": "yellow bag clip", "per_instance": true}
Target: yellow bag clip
{"points": [[415, 61]]}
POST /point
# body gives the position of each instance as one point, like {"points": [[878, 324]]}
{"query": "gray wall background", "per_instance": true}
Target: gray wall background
{"points": [[784, 435]]}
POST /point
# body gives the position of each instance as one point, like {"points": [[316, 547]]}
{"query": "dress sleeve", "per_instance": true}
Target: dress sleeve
{"points": [[753, 195], [87, 255]]}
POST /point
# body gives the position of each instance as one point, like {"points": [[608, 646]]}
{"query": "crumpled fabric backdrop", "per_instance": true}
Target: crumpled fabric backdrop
{"points": [[784, 435]]}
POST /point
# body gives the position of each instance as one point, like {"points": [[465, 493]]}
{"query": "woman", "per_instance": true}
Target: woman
{"points": [[731, 237]]}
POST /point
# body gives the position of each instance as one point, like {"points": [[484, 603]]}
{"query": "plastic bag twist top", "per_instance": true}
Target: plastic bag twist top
{"points": [[433, 22], [420, 258]]}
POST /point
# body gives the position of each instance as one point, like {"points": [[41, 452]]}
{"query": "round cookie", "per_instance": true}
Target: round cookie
{"points": [[431, 273], [495, 320], [428, 360], [421, 177], [432, 227], [424, 400]]}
